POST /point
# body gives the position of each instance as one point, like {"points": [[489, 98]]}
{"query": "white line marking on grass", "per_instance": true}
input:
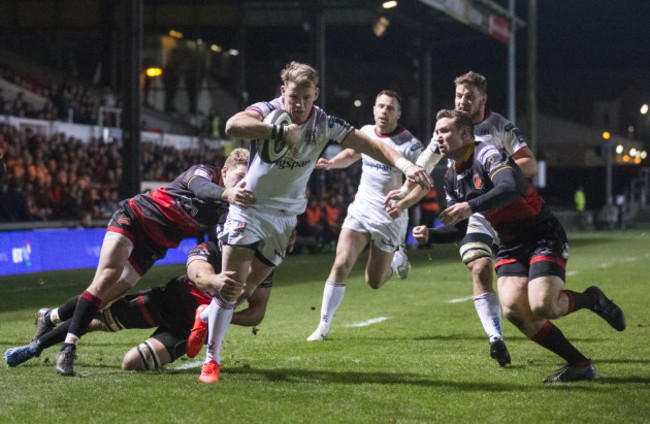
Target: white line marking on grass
{"points": [[571, 273], [368, 322], [629, 260], [189, 365], [462, 299]]}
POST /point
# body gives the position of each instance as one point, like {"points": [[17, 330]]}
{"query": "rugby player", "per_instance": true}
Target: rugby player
{"points": [[255, 239], [367, 223], [533, 250]]}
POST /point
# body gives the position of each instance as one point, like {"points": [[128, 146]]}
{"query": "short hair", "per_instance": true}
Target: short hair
{"points": [[300, 73], [472, 78], [238, 156], [461, 119], [390, 93]]}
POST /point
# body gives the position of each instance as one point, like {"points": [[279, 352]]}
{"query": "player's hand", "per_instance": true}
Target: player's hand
{"points": [[239, 195], [395, 195], [419, 175], [229, 288], [293, 135], [322, 164], [394, 209], [421, 234], [455, 213]]}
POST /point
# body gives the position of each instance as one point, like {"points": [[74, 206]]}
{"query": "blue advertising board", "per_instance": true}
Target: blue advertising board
{"points": [[56, 249]]}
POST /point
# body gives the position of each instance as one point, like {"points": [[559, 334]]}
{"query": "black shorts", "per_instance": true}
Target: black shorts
{"points": [[542, 251], [145, 251], [170, 308]]}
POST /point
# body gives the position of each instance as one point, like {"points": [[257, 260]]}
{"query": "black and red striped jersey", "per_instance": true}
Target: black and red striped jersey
{"points": [[173, 213], [473, 181]]}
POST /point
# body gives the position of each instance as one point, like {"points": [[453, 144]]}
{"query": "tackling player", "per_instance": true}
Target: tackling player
{"points": [[533, 249], [255, 239], [140, 232], [367, 223]]}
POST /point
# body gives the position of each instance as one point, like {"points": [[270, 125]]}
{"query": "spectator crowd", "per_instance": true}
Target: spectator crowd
{"points": [[62, 178]]}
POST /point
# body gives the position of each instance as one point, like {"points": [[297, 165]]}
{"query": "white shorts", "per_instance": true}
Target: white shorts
{"points": [[386, 233], [269, 233], [479, 240], [479, 224]]}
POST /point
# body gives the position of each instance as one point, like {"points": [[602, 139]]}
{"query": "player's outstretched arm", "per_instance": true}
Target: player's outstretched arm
{"points": [[386, 154], [342, 160], [205, 279]]}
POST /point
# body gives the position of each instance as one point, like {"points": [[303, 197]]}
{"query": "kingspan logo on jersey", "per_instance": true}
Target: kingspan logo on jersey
{"points": [[377, 165], [287, 164]]}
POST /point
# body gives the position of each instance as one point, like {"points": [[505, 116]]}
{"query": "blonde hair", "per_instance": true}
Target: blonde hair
{"points": [[300, 73], [472, 78], [237, 157]]}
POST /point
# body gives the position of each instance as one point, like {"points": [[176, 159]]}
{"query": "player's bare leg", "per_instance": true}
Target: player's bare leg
{"points": [[351, 243], [529, 305]]}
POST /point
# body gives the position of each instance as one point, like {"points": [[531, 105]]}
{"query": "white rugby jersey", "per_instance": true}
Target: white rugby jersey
{"points": [[280, 187], [497, 130], [377, 178]]}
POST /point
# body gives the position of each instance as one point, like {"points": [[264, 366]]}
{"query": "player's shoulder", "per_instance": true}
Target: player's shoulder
{"points": [[489, 154], [203, 170], [368, 130], [266, 107], [204, 249]]}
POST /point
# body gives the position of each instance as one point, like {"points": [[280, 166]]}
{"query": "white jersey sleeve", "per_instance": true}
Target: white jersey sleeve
{"points": [[280, 187], [498, 131]]}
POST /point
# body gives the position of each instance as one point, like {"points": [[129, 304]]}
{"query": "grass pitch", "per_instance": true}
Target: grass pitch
{"points": [[412, 352]]}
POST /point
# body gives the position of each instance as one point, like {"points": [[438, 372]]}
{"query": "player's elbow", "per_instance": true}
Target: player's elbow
{"points": [[532, 169], [230, 127]]}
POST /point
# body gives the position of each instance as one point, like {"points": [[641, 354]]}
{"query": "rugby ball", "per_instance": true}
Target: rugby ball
{"points": [[271, 150]]}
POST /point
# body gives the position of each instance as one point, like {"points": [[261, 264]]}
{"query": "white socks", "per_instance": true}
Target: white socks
{"points": [[219, 317], [489, 311], [332, 297], [398, 259]]}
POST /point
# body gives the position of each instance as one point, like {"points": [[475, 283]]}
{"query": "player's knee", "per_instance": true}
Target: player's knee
{"points": [[131, 361], [257, 318], [512, 314], [343, 264], [141, 358], [374, 283], [544, 309]]}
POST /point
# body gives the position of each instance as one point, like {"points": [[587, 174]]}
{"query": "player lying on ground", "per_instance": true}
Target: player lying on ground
{"points": [[533, 250], [170, 309]]}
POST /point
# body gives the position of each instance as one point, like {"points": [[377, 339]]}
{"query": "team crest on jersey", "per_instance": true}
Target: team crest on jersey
{"points": [[309, 136], [124, 221], [478, 183]]}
